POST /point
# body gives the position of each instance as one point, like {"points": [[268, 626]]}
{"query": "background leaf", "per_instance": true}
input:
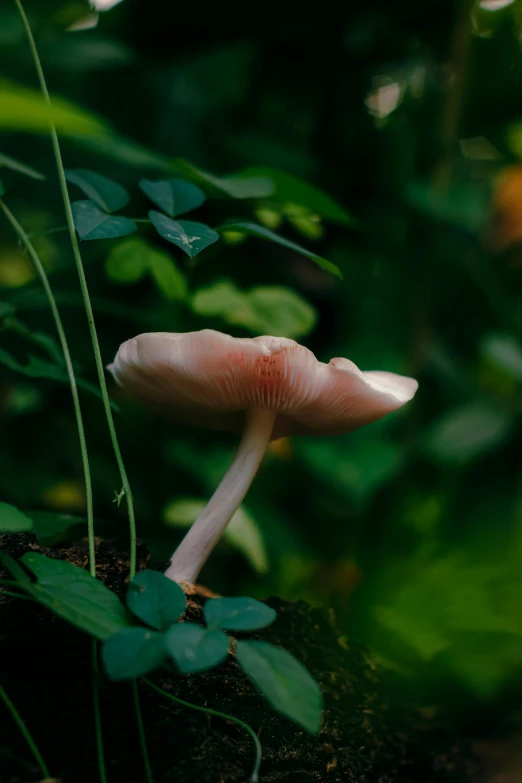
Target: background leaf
{"points": [[105, 193], [173, 196], [242, 531], [468, 431], [283, 681], [131, 259], [195, 649], [262, 310], [155, 599], [255, 230], [238, 614], [289, 188], [90, 223], [12, 520]]}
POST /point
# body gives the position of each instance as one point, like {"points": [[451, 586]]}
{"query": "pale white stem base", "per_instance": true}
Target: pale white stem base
{"points": [[191, 555]]}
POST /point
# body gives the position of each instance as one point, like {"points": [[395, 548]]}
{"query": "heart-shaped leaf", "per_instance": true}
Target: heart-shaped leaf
{"points": [[173, 196], [75, 595], [104, 192], [195, 649], [155, 599], [238, 614], [253, 229], [132, 653], [191, 237], [284, 682], [92, 223], [12, 520]]}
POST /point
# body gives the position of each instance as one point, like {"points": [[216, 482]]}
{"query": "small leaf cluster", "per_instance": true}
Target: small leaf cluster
{"points": [[131, 650], [160, 603], [93, 217]]}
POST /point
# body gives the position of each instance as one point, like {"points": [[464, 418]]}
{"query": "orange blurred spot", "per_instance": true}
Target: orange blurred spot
{"points": [[506, 212], [282, 448]]}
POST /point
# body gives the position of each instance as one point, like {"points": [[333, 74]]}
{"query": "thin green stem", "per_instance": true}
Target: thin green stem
{"points": [[97, 713], [70, 372], [60, 229], [258, 750], [85, 293], [26, 733], [141, 732], [15, 595]]}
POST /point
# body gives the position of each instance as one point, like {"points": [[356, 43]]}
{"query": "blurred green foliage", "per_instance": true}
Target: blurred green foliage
{"points": [[372, 136]]}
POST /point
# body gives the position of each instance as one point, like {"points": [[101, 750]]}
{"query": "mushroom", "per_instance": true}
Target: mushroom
{"points": [[263, 388]]}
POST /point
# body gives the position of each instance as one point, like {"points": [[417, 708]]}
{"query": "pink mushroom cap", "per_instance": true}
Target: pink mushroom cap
{"points": [[210, 379]]}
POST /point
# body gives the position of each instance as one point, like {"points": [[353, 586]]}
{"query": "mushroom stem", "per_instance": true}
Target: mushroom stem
{"points": [[191, 555]]}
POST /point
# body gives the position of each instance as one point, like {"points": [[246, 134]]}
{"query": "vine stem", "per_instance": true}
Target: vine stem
{"points": [[258, 750], [70, 372], [26, 733], [85, 292], [141, 732]]}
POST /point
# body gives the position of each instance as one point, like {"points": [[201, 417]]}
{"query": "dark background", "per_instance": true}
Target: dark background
{"points": [[410, 528]]}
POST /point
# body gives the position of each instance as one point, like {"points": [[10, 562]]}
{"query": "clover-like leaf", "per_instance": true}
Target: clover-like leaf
{"points": [[91, 223], [195, 649], [191, 237], [254, 229], [103, 191], [173, 196], [132, 653], [155, 599], [12, 520], [238, 614], [72, 593], [284, 682]]}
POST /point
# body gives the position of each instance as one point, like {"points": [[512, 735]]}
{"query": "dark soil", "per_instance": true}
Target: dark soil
{"points": [[365, 738]]}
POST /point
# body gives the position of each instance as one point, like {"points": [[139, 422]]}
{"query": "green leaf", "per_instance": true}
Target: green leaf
{"points": [[284, 682], [128, 261], [296, 191], [40, 368], [170, 280], [191, 237], [262, 310], [76, 596], [133, 652], [234, 186], [12, 520], [468, 432], [91, 223], [173, 196], [16, 570], [6, 308], [504, 351], [133, 258], [155, 599], [464, 204], [102, 191], [195, 649], [24, 109], [50, 527], [253, 229], [242, 532], [15, 165], [238, 614]]}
